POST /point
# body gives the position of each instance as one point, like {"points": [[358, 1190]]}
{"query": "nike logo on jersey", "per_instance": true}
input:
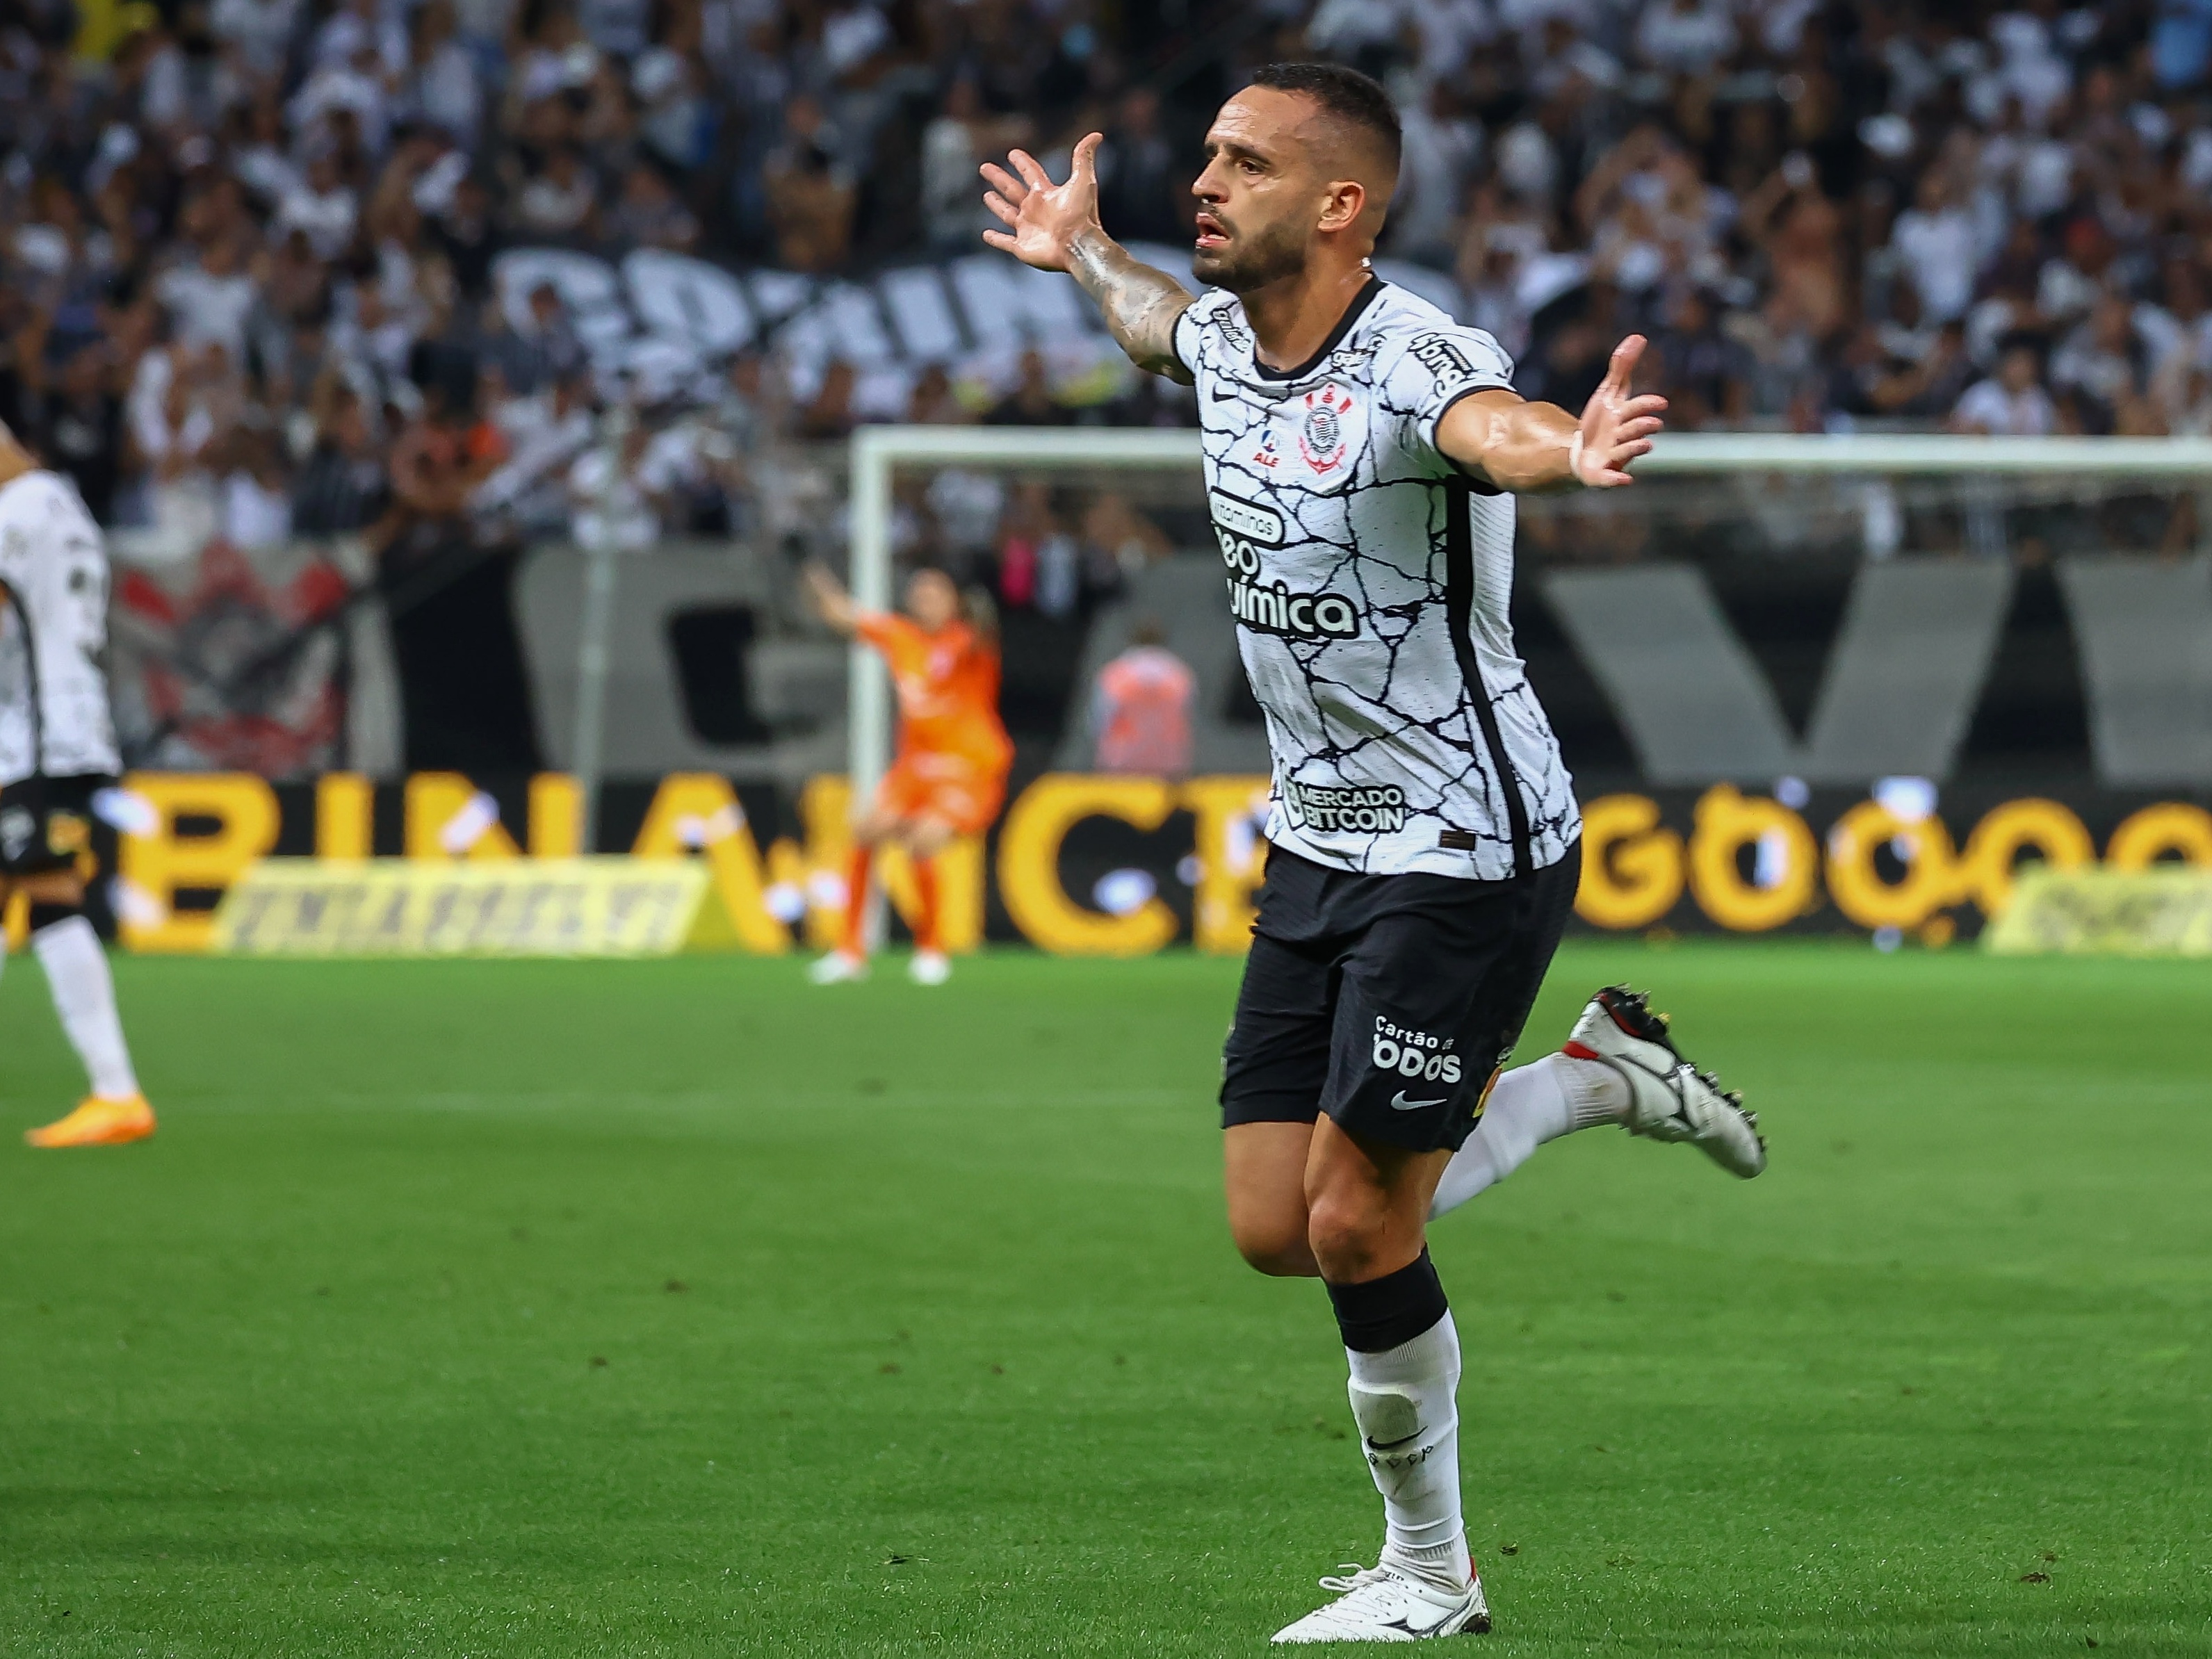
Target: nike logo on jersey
{"points": [[1400, 1103]]}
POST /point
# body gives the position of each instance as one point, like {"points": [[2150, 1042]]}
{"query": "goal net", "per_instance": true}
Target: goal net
{"points": [[1766, 635]]}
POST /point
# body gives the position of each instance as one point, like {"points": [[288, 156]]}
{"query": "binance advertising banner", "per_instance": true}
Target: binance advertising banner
{"points": [[1078, 865]]}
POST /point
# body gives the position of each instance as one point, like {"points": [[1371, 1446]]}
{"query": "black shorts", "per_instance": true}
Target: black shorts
{"points": [[45, 823], [1388, 1001]]}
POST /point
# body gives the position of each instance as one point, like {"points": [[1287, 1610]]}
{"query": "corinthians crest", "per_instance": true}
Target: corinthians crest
{"points": [[1323, 436]]}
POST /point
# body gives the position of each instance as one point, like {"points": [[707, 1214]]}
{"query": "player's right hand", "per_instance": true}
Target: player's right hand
{"points": [[1042, 219]]}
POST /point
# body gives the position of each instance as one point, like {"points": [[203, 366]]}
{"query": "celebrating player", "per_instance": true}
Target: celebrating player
{"points": [[950, 773], [1360, 450], [57, 751]]}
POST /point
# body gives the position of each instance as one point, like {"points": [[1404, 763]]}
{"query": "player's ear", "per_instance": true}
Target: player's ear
{"points": [[1342, 202]]}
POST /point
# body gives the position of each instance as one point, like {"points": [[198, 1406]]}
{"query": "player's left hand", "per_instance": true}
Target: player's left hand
{"points": [[1616, 427]]}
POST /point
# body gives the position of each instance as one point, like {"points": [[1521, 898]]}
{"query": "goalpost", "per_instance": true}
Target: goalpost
{"points": [[879, 451]]}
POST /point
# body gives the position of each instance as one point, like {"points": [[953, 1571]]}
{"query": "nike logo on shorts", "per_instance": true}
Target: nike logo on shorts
{"points": [[1400, 1103]]}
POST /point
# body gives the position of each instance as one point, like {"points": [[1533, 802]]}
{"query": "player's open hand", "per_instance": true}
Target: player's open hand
{"points": [[1042, 219], [1617, 427]]}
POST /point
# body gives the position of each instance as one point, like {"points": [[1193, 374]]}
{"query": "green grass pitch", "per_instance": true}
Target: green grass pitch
{"points": [[678, 1308]]}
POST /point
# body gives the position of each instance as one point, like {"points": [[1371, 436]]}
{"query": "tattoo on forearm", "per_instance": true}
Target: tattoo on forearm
{"points": [[1140, 304]]}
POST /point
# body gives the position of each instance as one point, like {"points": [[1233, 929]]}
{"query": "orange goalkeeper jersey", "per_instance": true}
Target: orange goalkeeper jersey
{"points": [[948, 689]]}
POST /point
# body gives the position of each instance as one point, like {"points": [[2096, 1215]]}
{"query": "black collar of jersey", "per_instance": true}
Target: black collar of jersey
{"points": [[1353, 312]]}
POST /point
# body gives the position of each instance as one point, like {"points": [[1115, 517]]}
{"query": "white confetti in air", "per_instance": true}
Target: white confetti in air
{"points": [[127, 810], [134, 905], [1770, 860], [469, 825], [1909, 800], [1124, 892], [786, 902]]}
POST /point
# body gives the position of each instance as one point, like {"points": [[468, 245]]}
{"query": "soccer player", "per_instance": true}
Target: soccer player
{"points": [[1361, 450], [56, 751], [950, 777]]}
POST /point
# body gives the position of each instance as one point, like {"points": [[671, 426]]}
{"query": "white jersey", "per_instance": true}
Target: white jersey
{"points": [[54, 715], [1371, 580]]}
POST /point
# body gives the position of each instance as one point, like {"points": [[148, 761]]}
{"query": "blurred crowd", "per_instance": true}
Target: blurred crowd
{"points": [[249, 245]]}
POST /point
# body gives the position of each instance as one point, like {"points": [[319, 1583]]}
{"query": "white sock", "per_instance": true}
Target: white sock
{"points": [[1404, 1401], [84, 997], [1529, 1106]]}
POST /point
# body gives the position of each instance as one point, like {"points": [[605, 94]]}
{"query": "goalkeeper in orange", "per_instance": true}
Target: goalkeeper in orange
{"points": [[950, 777]]}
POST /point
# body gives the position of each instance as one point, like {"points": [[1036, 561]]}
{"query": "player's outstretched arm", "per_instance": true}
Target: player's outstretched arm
{"points": [[832, 602], [1526, 446], [1056, 228]]}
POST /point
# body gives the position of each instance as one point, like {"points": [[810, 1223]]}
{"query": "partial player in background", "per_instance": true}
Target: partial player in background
{"points": [[1362, 450], [950, 777], [57, 752], [1140, 708]]}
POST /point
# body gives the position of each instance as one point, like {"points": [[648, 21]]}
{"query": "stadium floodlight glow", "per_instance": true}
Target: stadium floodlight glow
{"points": [[879, 451]]}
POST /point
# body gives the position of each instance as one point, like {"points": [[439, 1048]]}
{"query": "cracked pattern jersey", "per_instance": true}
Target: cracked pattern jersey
{"points": [[1370, 581], [54, 716]]}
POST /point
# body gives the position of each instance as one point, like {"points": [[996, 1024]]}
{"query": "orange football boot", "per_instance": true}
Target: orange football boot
{"points": [[97, 1123]]}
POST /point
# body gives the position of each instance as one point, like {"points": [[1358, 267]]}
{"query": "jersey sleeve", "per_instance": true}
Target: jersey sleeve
{"points": [[1189, 338], [20, 540], [1435, 370], [879, 628]]}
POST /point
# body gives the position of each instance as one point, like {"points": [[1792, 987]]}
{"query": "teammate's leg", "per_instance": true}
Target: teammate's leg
{"points": [[84, 991], [924, 837], [849, 960]]}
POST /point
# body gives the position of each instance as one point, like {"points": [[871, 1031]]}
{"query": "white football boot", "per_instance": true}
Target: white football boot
{"points": [[929, 968], [1669, 1099], [1383, 1604], [838, 967]]}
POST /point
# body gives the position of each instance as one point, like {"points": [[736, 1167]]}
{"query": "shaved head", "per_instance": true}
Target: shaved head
{"points": [[1354, 121]]}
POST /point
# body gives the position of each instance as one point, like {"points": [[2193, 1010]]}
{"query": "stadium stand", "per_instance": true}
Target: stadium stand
{"points": [[279, 269]]}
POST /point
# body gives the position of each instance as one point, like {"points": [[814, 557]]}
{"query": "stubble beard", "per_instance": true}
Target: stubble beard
{"points": [[1268, 255]]}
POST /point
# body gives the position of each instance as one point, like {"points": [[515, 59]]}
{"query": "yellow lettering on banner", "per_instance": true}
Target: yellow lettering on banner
{"points": [[1631, 864], [435, 799], [243, 808], [1727, 821], [1232, 857], [1985, 871], [1931, 878], [701, 810], [959, 891], [16, 920], [825, 806], [1029, 864], [345, 805], [2171, 826], [556, 817]]}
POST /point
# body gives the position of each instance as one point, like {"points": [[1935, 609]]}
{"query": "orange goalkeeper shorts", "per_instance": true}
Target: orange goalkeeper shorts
{"points": [[951, 789]]}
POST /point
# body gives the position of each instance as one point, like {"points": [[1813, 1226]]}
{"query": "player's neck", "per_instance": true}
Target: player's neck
{"points": [[14, 462], [1292, 319]]}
